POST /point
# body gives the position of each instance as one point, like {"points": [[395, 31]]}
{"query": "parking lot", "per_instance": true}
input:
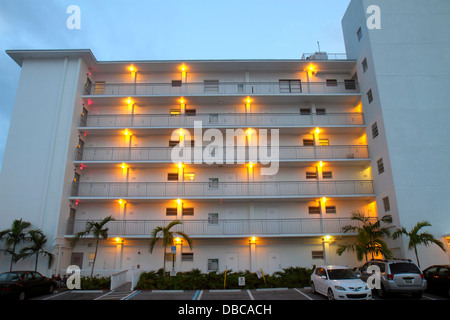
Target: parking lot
{"points": [[228, 295]]}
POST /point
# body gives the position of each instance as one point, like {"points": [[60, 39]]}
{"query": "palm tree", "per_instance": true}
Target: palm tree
{"points": [[13, 236], [416, 238], [167, 238], [369, 239], [39, 241], [97, 229]]}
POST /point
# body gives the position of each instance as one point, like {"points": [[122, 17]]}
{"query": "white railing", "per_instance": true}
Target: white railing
{"points": [[222, 88], [214, 190], [220, 120], [164, 154], [135, 278], [223, 227], [118, 279]]}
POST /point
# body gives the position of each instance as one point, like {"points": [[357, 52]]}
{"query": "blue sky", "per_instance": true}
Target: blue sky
{"points": [[165, 30]]}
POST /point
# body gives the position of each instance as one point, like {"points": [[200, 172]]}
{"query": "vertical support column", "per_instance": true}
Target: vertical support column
{"points": [[252, 248], [179, 245], [179, 209], [182, 107], [184, 88], [326, 249], [119, 254]]}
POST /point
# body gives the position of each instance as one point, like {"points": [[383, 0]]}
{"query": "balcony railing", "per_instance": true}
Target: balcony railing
{"points": [[223, 227], [217, 190], [218, 120], [222, 88], [163, 154]]}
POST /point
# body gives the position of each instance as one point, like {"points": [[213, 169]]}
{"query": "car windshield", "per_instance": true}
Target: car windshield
{"points": [[402, 267], [341, 274], [10, 276]]}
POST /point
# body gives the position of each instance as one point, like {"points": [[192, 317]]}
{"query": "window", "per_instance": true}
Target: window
{"points": [[305, 111], [213, 264], [173, 143], [189, 176], [308, 142], [172, 177], [321, 112], [374, 130], [327, 175], [386, 204], [359, 34], [380, 166], [213, 183], [191, 112], [99, 87], [37, 276], [187, 256], [318, 255], [171, 211], [364, 65], [176, 83], [175, 112], [188, 211], [290, 86], [332, 83], [330, 209], [324, 142], [213, 118], [369, 95], [350, 84], [311, 174], [314, 210], [211, 86], [240, 88], [213, 218]]}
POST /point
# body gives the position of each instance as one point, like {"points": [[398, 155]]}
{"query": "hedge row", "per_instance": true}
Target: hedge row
{"points": [[293, 277]]}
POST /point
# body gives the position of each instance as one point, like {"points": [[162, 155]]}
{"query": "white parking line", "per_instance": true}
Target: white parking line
{"points": [[59, 294], [250, 294], [200, 295], [303, 294], [427, 297]]}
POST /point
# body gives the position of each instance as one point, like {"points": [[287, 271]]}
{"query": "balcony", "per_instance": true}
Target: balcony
{"points": [[295, 87], [223, 228], [220, 190], [221, 120], [163, 154]]}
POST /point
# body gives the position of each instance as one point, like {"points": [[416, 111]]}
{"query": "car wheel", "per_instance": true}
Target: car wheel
{"points": [[330, 294], [22, 295], [313, 288], [50, 289]]}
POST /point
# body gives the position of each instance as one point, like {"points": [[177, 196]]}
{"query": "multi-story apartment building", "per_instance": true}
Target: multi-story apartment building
{"points": [[107, 133]]}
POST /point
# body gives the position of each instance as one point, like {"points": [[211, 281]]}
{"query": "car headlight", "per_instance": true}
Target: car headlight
{"points": [[339, 288]]}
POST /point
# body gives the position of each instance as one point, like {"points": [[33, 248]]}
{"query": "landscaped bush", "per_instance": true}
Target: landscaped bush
{"points": [[293, 277], [97, 283]]}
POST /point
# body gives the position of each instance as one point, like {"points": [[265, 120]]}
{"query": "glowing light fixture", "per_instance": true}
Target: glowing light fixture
{"points": [[317, 131], [321, 164], [324, 199]]}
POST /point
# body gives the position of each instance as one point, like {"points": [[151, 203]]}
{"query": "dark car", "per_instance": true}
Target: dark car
{"points": [[23, 284], [438, 278]]}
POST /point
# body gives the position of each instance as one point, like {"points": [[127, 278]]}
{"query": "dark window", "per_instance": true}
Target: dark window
{"points": [[173, 143], [308, 142], [380, 166], [214, 183], [364, 65], [350, 84], [176, 83], [403, 267], [188, 211], [172, 177], [386, 204], [374, 130], [187, 256], [327, 175], [191, 112], [171, 211], [311, 175], [305, 111], [290, 86], [330, 209], [369, 95], [332, 83], [321, 112], [318, 255], [314, 210], [359, 34], [211, 86]]}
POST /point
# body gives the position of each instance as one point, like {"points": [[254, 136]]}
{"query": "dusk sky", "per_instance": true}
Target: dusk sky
{"points": [[165, 30]]}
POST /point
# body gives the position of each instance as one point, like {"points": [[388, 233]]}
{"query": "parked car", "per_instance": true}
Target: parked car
{"points": [[23, 284], [438, 279], [339, 283], [397, 276]]}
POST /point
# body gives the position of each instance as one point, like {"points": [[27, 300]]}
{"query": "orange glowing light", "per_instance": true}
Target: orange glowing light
{"points": [[317, 131], [324, 199], [321, 164]]}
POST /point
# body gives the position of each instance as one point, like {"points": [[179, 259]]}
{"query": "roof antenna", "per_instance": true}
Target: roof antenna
{"points": [[318, 45]]}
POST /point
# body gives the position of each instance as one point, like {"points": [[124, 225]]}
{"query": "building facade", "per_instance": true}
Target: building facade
{"points": [[263, 161]]}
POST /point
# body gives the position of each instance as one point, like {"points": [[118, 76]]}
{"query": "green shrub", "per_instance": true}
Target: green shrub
{"points": [[292, 277], [97, 283]]}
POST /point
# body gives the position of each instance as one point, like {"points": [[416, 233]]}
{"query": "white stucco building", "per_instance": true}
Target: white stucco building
{"points": [[90, 139]]}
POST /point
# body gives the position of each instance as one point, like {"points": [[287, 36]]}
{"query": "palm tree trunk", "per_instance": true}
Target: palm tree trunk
{"points": [[164, 263], [95, 257], [36, 263], [12, 257], [417, 256]]}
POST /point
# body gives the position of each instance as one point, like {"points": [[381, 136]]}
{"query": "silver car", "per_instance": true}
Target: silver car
{"points": [[396, 275]]}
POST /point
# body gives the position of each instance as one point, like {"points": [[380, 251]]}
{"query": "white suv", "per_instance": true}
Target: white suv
{"points": [[339, 283]]}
